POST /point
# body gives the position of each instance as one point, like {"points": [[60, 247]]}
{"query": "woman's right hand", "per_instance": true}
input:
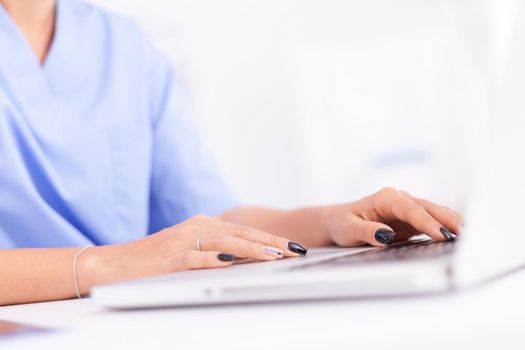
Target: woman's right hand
{"points": [[176, 249]]}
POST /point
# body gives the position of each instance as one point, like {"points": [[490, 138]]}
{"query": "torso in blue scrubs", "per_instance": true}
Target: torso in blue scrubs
{"points": [[94, 148]]}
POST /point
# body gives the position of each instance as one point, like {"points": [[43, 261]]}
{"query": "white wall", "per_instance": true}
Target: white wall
{"points": [[318, 101]]}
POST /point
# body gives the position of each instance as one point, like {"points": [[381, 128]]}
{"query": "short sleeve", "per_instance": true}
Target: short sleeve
{"points": [[185, 180]]}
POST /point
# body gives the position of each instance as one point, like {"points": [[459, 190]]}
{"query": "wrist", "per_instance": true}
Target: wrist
{"points": [[92, 269], [327, 215], [313, 225], [336, 220]]}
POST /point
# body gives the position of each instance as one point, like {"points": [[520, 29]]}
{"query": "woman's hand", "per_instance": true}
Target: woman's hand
{"points": [[177, 248], [378, 220], [386, 216], [390, 215]]}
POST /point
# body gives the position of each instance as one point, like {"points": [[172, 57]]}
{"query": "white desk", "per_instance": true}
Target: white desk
{"points": [[490, 317]]}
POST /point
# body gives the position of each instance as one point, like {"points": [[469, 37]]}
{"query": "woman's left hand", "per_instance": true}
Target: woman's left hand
{"points": [[390, 215]]}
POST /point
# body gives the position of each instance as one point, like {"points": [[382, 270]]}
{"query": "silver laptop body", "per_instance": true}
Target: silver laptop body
{"points": [[323, 273], [490, 246]]}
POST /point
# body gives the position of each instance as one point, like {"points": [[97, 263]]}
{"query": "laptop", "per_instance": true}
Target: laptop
{"points": [[491, 245]]}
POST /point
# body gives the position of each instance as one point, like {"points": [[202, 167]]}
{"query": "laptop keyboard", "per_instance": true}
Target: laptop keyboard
{"points": [[416, 249]]}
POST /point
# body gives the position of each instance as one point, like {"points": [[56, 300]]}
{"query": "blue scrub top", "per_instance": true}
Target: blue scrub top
{"points": [[94, 148]]}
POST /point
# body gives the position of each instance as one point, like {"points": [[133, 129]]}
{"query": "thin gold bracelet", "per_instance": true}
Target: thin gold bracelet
{"points": [[75, 281]]}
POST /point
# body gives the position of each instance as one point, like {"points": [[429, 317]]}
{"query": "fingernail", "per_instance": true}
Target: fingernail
{"points": [[297, 248], [384, 236], [274, 251], [225, 257], [446, 233]]}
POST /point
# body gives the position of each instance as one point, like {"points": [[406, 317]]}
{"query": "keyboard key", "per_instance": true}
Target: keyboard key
{"points": [[417, 249]]}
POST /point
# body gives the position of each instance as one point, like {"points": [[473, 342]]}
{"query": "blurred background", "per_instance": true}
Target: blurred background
{"points": [[321, 101]]}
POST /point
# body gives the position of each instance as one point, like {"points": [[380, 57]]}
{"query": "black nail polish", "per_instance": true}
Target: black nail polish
{"points": [[384, 236], [446, 233], [225, 257], [297, 248]]}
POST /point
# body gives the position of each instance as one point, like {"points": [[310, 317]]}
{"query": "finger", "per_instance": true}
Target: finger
{"points": [[448, 217], [194, 259], [254, 235], [358, 231], [402, 208], [239, 247]]}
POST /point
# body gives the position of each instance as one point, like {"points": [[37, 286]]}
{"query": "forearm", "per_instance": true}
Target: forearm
{"points": [[306, 226], [31, 275]]}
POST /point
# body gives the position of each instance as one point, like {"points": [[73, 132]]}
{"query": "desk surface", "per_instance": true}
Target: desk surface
{"points": [[488, 317]]}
